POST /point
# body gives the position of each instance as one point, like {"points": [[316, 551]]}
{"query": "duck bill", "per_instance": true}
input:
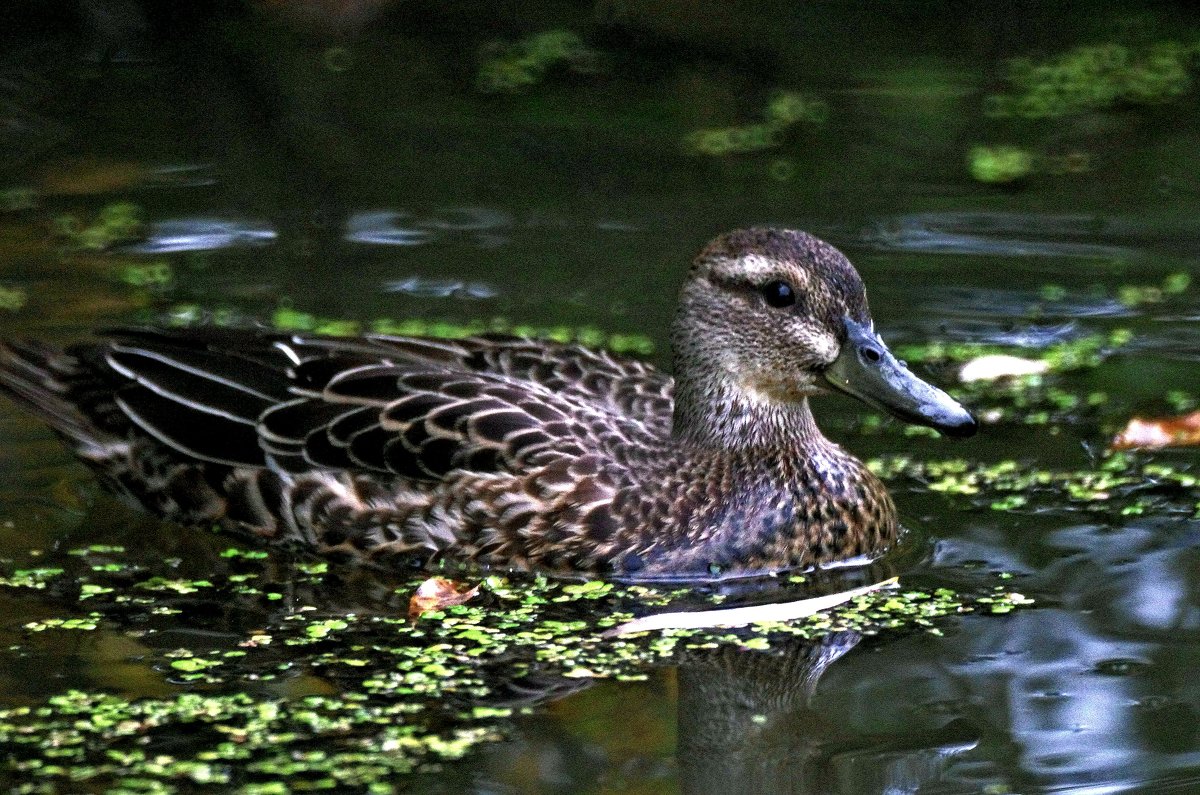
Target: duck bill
{"points": [[867, 370]]}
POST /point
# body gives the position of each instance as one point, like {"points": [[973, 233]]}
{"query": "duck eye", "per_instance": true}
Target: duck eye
{"points": [[779, 294]]}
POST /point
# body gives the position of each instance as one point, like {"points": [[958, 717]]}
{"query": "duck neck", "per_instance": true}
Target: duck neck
{"points": [[716, 416], [714, 406]]}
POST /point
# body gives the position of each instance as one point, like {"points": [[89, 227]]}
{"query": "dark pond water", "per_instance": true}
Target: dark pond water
{"points": [[373, 161]]}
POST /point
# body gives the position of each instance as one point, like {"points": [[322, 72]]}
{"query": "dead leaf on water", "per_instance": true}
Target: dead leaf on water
{"points": [[437, 593], [1154, 434]]}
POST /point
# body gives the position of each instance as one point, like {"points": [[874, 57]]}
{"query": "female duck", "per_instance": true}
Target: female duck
{"points": [[513, 452]]}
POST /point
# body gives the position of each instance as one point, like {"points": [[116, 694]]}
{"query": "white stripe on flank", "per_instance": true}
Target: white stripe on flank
{"points": [[168, 441], [125, 371]]}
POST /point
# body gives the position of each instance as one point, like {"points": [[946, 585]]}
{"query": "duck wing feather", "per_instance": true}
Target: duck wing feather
{"points": [[606, 381], [402, 406]]}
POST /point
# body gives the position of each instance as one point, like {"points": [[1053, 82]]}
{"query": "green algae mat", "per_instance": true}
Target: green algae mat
{"points": [[310, 696]]}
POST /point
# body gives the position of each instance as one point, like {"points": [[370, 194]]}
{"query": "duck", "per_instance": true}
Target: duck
{"points": [[512, 453]]}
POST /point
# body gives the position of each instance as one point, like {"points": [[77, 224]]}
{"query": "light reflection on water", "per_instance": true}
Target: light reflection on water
{"points": [[984, 234], [202, 234]]}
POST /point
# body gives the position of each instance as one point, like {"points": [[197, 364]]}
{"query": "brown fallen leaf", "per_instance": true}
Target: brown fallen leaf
{"points": [[437, 593], [1152, 434]]}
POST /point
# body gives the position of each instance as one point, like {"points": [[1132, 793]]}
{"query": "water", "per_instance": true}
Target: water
{"points": [[349, 169]]}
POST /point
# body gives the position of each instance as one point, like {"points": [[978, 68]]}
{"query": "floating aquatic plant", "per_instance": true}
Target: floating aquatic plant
{"points": [[1082, 352], [287, 318], [1119, 484], [17, 199], [509, 68], [155, 274], [1094, 77], [999, 164], [784, 111], [13, 298], [392, 695], [116, 223]]}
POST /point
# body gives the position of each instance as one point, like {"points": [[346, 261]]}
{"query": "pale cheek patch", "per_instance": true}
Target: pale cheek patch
{"points": [[823, 346], [777, 387], [786, 372]]}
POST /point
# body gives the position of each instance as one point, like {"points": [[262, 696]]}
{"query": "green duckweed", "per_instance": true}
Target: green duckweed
{"points": [[116, 223], [783, 112], [999, 164], [1094, 77], [13, 298], [396, 696], [511, 68]]}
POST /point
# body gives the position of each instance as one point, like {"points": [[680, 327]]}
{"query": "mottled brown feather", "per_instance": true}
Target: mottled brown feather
{"points": [[499, 450]]}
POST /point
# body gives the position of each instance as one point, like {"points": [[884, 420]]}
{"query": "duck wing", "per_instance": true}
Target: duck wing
{"points": [[605, 381], [403, 406]]}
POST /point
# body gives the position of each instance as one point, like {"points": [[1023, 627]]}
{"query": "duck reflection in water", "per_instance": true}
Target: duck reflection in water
{"points": [[745, 722]]}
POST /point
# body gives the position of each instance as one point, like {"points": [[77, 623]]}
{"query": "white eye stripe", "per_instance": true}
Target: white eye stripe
{"points": [[757, 269]]}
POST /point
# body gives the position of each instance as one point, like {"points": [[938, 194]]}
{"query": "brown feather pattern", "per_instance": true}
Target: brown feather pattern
{"points": [[502, 451]]}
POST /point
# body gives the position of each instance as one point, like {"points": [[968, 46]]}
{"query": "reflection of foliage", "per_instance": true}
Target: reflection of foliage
{"points": [[784, 111], [508, 68], [1093, 78], [375, 695]]}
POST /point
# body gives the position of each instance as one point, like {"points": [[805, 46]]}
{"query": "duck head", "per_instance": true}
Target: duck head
{"points": [[769, 317]]}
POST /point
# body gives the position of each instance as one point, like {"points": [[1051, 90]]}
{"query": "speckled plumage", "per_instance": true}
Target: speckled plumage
{"points": [[500, 451]]}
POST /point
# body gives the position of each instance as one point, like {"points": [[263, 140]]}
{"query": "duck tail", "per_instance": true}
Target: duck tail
{"points": [[45, 380]]}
